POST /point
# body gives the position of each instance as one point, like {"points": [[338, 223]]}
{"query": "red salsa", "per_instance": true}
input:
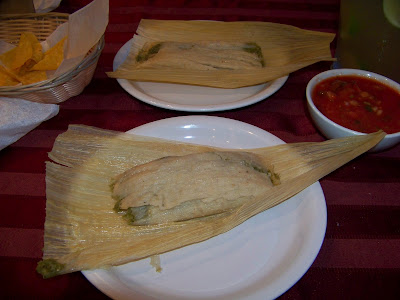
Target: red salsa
{"points": [[359, 103]]}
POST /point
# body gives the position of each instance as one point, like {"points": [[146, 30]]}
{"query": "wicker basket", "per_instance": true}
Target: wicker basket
{"points": [[57, 89]]}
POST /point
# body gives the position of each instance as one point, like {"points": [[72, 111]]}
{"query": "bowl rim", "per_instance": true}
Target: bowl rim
{"points": [[345, 72]]}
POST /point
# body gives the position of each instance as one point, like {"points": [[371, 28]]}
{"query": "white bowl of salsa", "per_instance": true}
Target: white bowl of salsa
{"points": [[346, 102]]}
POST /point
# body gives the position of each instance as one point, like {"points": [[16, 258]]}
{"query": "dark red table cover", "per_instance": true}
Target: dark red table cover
{"points": [[360, 256]]}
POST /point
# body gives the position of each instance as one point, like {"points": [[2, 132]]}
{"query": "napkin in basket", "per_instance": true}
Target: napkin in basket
{"points": [[44, 6], [18, 117]]}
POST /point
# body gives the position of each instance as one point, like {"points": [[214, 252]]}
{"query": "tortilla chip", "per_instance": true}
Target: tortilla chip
{"points": [[37, 51], [32, 77], [25, 75], [52, 58], [7, 79], [27, 64], [24, 50], [8, 57], [28, 48]]}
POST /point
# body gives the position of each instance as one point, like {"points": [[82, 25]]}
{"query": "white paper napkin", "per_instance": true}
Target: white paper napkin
{"points": [[44, 6], [18, 117]]}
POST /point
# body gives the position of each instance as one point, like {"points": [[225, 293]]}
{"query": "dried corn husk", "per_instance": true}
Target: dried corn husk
{"points": [[285, 49], [83, 232]]}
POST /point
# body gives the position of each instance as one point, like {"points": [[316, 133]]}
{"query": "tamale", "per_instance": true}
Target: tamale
{"points": [[177, 188], [274, 49], [201, 56], [82, 231]]}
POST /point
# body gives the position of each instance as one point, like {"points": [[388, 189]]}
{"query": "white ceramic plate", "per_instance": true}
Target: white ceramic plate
{"points": [[260, 259], [193, 98]]}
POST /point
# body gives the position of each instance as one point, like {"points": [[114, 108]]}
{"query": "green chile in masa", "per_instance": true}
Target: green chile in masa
{"points": [[275, 179], [132, 213], [145, 55], [49, 268], [254, 48]]}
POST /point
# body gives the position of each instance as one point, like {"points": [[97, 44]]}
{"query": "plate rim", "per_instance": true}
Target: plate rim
{"points": [[97, 279], [273, 87]]}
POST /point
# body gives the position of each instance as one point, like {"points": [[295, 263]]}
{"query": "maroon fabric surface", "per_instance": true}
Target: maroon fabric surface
{"points": [[360, 256]]}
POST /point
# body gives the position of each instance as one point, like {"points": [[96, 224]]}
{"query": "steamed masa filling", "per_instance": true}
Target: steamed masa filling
{"points": [[201, 56], [185, 187]]}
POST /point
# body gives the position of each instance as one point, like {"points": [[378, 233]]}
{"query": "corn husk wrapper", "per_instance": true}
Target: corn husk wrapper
{"points": [[83, 232], [285, 49]]}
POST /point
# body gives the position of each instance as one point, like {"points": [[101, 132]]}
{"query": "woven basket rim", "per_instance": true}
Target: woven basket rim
{"points": [[33, 15]]}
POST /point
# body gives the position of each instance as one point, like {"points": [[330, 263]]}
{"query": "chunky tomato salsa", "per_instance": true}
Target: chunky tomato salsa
{"points": [[359, 103]]}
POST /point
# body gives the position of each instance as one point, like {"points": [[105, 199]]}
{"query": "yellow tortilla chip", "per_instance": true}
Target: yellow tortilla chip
{"points": [[25, 68], [8, 57], [11, 73], [37, 51], [27, 64], [32, 77], [52, 58], [7, 79], [37, 54], [23, 51], [26, 76], [28, 48]]}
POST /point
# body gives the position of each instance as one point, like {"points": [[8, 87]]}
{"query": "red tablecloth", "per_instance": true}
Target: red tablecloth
{"points": [[360, 256]]}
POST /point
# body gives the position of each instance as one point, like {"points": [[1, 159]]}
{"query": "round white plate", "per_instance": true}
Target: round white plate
{"points": [[259, 259], [193, 98]]}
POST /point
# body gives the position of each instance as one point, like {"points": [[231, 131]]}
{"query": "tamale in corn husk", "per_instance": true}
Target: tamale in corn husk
{"points": [[178, 188], [82, 231], [281, 49]]}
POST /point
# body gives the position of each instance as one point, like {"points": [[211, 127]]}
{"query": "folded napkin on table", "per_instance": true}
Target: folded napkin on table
{"points": [[18, 117]]}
